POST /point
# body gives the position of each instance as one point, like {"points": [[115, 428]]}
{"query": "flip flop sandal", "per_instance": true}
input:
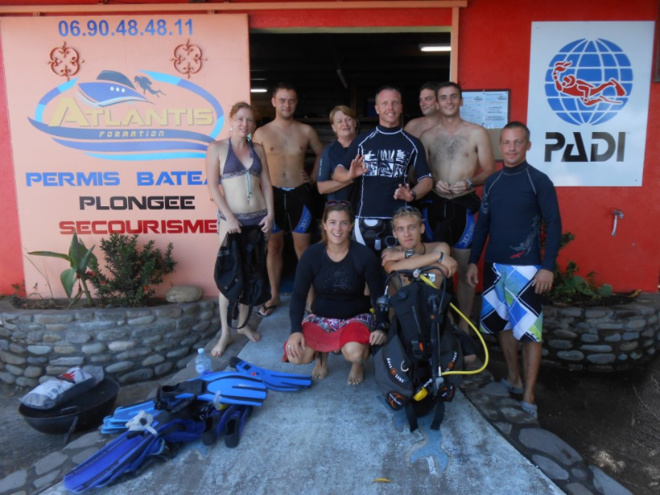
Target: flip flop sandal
{"points": [[530, 409], [265, 311], [511, 389]]}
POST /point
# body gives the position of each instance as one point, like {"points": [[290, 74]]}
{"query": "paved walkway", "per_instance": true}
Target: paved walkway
{"points": [[338, 439]]}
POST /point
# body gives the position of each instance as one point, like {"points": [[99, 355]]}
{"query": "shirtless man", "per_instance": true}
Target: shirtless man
{"points": [[286, 141], [428, 104], [460, 157]]}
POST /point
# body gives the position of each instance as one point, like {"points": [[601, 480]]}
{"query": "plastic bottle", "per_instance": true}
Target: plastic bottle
{"points": [[202, 363]]}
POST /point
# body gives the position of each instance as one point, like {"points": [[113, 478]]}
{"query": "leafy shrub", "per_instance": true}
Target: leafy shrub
{"points": [[132, 274], [80, 259], [571, 289]]}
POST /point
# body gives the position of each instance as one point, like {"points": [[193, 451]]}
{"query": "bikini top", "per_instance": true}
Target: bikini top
{"points": [[234, 168]]}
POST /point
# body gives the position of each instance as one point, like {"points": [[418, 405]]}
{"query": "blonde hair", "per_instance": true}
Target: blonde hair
{"points": [[407, 211], [343, 109]]}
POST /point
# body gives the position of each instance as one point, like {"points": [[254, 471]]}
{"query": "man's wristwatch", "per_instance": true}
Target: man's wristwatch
{"points": [[414, 194], [468, 184], [442, 256], [409, 253]]}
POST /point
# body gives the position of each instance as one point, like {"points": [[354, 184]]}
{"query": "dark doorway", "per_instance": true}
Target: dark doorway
{"points": [[345, 68], [328, 69]]}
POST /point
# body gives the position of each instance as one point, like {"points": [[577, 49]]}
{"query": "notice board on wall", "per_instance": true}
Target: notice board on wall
{"points": [[490, 109]]}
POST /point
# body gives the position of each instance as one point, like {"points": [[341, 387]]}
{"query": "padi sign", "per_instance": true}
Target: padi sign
{"points": [[116, 117], [588, 99]]}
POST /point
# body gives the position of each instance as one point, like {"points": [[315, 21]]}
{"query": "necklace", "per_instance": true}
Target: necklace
{"points": [[248, 186]]}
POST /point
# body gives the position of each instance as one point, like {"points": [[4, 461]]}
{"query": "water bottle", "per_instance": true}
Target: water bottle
{"points": [[202, 363]]}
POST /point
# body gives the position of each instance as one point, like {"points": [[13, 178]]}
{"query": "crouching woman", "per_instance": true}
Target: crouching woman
{"points": [[341, 319]]}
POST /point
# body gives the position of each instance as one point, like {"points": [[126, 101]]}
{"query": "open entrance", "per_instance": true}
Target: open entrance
{"points": [[332, 68]]}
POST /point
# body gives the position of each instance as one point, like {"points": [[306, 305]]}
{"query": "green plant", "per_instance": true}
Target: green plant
{"points": [[569, 288], [132, 273], [81, 259]]}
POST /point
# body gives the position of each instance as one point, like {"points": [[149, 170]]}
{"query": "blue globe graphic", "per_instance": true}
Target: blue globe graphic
{"points": [[589, 81]]}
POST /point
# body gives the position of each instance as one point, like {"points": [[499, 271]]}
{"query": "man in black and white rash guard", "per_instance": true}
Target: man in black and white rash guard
{"points": [[382, 160]]}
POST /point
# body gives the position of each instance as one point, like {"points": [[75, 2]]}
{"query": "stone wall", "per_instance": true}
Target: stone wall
{"points": [[600, 338], [130, 344], [603, 338]]}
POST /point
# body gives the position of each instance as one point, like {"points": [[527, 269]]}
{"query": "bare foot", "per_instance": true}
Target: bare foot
{"points": [[222, 344], [253, 335], [320, 370], [356, 375]]}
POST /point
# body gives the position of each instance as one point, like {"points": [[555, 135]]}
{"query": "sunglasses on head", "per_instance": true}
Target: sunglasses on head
{"points": [[334, 202], [406, 208]]}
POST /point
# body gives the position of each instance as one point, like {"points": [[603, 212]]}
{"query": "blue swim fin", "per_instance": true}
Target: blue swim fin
{"points": [[230, 387], [273, 380], [129, 451]]}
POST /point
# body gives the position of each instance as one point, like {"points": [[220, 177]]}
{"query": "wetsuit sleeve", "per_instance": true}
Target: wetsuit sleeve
{"points": [[374, 278], [351, 153], [547, 199], [303, 281], [482, 228], [325, 166]]}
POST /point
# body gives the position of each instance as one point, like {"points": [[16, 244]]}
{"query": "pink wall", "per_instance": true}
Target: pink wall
{"points": [[494, 52]]}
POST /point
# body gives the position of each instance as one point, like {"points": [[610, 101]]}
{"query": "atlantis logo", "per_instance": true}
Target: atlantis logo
{"points": [[112, 119], [588, 82]]}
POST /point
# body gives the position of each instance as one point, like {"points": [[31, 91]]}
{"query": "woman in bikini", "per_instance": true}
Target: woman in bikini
{"points": [[338, 269], [238, 181]]}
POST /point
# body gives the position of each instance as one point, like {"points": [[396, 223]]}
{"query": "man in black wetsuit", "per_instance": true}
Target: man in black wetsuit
{"points": [[381, 160], [516, 202]]}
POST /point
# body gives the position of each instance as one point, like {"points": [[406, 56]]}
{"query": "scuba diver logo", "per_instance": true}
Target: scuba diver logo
{"points": [[159, 117], [589, 82]]}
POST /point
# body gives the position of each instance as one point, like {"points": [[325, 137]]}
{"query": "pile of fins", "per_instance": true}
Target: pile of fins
{"points": [[247, 385], [206, 408]]}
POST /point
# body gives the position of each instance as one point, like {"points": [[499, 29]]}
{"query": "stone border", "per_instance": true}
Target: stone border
{"points": [[602, 338], [130, 344], [599, 338]]}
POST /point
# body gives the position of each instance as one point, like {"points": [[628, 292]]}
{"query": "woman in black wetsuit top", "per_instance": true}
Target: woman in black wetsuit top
{"points": [[238, 180], [341, 320]]}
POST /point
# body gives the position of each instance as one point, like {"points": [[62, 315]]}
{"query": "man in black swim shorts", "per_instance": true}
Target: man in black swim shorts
{"points": [[460, 157]]}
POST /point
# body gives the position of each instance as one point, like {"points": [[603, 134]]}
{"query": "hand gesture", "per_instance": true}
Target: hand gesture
{"points": [[358, 167], [403, 192]]}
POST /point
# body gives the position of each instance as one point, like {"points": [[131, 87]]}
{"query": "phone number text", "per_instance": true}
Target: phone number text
{"points": [[126, 27]]}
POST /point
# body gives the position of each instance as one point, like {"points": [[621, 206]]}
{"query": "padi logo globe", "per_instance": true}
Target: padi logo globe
{"points": [[589, 81]]}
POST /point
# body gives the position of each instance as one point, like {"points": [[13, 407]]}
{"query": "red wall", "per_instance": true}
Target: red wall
{"points": [[11, 264], [494, 50]]}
